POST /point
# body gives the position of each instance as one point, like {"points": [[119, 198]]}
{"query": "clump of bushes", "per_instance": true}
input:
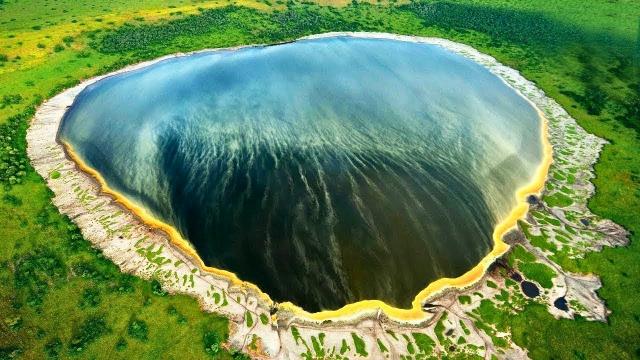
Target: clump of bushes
{"points": [[10, 99], [12, 352], [34, 272], [89, 331], [156, 288], [138, 329], [121, 344], [180, 319], [90, 298], [211, 342], [53, 348], [13, 158], [520, 27], [134, 37]]}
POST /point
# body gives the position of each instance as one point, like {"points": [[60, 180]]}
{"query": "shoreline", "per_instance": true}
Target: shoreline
{"points": [[432, 289], [287, 331]]}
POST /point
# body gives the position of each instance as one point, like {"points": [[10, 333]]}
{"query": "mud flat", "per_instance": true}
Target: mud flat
{"points": [[443, 312]]}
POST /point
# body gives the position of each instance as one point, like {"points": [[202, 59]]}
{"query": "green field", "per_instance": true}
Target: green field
{"points": [[59, 298]]}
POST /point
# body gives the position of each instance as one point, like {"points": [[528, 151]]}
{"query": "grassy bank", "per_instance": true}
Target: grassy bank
{"points": [[60, 298]]}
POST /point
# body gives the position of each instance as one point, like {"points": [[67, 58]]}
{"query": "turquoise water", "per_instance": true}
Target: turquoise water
{"points": [[325, 171]]}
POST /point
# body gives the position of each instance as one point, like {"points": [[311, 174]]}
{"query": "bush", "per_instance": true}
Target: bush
{"points": [[237, 355], [121, 344], [90, 330], [10, 352], [90, 298], [211, 342], [156, 288], [519, 27], [53, 348], [134, 37], [13, 155], [138, 330], [10, 99], [35, 272]]}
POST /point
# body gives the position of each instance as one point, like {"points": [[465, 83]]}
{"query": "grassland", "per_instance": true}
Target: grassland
{"points": [[60, 299]]}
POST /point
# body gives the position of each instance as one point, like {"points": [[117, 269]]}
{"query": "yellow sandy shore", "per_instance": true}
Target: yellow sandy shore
{"points": [[415, 312]]}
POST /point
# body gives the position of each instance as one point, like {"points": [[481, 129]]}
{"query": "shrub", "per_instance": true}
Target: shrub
{"points": [[121, 344], [130, 37], [138, 329], [156, 288], [90, 298], [53, 348], [10, 99], [237, 355], [34, 272], [211, 342], [90, 330], [13, 157], [11, 352]]}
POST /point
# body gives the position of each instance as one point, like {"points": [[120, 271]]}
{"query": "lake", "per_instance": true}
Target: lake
{"points": [[325, 171]]}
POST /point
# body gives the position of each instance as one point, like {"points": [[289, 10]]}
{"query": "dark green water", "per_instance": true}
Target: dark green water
{"points": [[324, 171]]}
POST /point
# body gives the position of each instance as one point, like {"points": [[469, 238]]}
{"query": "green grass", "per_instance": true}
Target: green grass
{"points": [[57, 294], [424, 343], [558, 200], [359, 345], [540, 273]]}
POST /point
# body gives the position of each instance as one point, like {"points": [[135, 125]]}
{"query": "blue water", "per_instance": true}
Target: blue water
{"points": [[324, 171]]}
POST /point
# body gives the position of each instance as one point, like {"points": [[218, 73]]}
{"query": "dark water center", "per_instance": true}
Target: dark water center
{"points": [[325, 171]]}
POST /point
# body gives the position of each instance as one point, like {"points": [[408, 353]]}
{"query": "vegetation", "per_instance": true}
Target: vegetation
{"points": [[538, 272], [138, 330], [558, 200], [359, 345], [58, 296], [424, 343]]}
